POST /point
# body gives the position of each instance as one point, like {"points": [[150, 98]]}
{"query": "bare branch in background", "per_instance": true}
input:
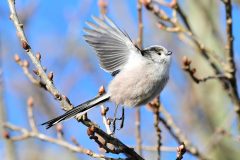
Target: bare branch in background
{"points": [[34, 133], [155, 107], [186, 65], [172, 128], [163, 148], [229, 84], [103, 6], [25, 66], [138, 110], [231, 68], [9, 146], [176, 132]]}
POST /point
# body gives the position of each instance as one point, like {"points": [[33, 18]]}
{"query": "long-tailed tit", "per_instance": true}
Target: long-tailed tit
{"points": [[138, 75]]}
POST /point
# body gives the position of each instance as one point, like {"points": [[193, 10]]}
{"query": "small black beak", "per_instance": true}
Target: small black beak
{"points": [[169, 53]]}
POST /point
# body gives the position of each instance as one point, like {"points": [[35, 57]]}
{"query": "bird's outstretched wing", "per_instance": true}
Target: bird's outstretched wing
{"points": [[113, 46]]}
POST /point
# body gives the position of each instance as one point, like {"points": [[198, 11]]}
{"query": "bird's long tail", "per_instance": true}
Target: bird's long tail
{"points": [[80, 109]]}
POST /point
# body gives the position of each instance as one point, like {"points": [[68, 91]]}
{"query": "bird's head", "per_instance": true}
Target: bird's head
{"points": [[157, 54]]}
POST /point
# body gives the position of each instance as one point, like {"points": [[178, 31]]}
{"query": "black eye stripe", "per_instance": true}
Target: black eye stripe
{"points": [[156, 49], [153, 49]]}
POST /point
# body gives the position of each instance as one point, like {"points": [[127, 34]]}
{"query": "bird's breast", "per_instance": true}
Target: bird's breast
{"points": [[137, 85]]}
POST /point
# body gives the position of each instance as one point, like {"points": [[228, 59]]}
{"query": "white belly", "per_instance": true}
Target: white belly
{"points": [[138, 85]]}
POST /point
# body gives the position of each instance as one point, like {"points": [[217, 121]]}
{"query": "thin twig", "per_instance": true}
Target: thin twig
{"points": [[26, 134], [186, 65], [105, 120], [178, 135], [138, 110], [30, 114], [156, 110], [229, 45], [9, 149], [138, 131], [25, 45], [104, 111], [60, 133], [230, 55], [155, 148], [103, 6], [155, 107], [24, 64]]}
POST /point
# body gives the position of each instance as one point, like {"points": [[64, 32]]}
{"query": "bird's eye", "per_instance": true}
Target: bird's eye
{"points": [[159, 53]]}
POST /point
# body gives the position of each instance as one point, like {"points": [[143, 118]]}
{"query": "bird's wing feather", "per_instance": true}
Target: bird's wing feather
{"points": [[112, 45]]}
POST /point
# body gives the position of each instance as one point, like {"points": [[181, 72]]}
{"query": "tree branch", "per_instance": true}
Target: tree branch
{"points": [[186, 65], [154, 105], [231, 68], [138, 110], [34, 133], [26, 134], [212, 58], [178, 135]]}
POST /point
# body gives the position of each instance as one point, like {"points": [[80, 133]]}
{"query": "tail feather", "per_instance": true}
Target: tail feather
{"points": [[80, 109]]}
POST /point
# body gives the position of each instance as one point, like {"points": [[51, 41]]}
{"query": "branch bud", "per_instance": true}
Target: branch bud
{"points": [[145, 2], [17, 58], [102, 4], [38, 56], [30, 102], [91, 130], [50, 76], [173, 4], [101, 90], [25, 63], [66, 98], [36, 72], [109, 122], [6, 134], [59, 128], [89, 152], [45, 69], [186, 61], [25, 45], [193, 70], [104, 111], [58, 97]]}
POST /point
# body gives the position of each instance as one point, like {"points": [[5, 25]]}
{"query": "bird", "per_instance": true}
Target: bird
{"points": [[139, 75]]}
